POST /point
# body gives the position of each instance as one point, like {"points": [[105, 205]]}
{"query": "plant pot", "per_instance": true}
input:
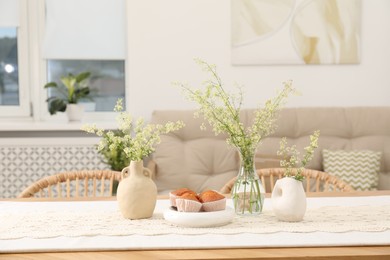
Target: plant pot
{"points": [[74, 112], [289, 200], [136, 193]]}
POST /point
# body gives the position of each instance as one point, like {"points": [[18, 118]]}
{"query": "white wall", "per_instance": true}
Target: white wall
{"points": [[165, 36]]}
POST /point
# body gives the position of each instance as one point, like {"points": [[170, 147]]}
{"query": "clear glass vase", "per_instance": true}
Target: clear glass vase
{"points": [[247, 193]]}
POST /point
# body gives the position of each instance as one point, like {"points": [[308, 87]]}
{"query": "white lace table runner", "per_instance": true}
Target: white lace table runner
{"points": [[50, 223]]}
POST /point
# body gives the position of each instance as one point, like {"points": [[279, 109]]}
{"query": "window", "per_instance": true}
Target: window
{"points": [[93, 40], [14, 94], [39, 44], [106, 83], [9, 76]]}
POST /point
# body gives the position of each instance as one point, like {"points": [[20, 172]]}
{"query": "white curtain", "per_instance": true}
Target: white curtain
{"points": [[9, 15], [85, 29]]}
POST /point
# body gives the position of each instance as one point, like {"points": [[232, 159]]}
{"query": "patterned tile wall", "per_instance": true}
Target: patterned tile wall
{"points": [[23, 165]]}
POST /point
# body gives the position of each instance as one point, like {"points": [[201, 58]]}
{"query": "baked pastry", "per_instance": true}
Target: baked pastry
{"points": [[188, 202], [210, 195], [173, 195], [189, 196], [182, 191], [212, 201]]}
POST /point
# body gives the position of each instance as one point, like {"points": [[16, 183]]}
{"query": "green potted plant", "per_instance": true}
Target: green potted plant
{"points": [[72, 89]]}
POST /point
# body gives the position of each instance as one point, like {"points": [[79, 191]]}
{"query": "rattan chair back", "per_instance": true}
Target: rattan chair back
{"points": [[87, 183], [315, 181]]}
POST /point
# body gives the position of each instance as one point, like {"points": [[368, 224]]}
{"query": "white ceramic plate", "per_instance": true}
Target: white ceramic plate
{"points": [[199, 219]]}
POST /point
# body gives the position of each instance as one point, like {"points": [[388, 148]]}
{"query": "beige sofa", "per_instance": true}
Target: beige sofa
{"points": [[200, 160]]}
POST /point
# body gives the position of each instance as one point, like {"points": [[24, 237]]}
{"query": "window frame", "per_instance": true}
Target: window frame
{"points": [[24, 107], [44, 115], [33, 75]]}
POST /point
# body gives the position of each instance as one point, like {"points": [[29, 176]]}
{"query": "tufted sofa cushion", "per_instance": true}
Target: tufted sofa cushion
{"points": [[200, 160], [191, 157]]}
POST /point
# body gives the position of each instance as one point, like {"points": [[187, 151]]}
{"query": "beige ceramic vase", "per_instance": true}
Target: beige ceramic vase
{"points": [[137, 193], [289, 200]]}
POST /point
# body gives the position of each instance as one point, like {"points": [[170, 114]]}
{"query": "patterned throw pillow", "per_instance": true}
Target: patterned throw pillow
{"points": [[360, 169]]}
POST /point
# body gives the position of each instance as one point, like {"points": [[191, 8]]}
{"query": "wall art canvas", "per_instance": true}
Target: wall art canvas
{"points": [[295, 32]]}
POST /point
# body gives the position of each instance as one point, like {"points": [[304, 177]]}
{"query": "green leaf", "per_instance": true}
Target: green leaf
{"points": [[51, 85], [82, 76], [56, 105], [82, 92], [69, 81]]}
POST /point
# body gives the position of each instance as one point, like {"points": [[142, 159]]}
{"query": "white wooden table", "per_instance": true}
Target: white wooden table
{"points": [[207, 245]]}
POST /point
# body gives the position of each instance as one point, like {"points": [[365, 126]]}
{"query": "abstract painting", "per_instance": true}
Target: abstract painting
{"points": [[295, 32]]}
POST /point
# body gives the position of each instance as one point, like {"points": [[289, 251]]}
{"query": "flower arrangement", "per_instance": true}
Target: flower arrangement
{"points": [[295, 162], [132, 141], [222, 111], [113, 149]]}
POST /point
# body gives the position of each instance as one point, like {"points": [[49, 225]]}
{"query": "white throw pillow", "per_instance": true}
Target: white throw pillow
{"points": [[360, 169]]}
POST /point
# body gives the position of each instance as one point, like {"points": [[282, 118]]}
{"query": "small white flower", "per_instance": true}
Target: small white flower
{"points": [[222, 111], [129, 142], [295, 161]]}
